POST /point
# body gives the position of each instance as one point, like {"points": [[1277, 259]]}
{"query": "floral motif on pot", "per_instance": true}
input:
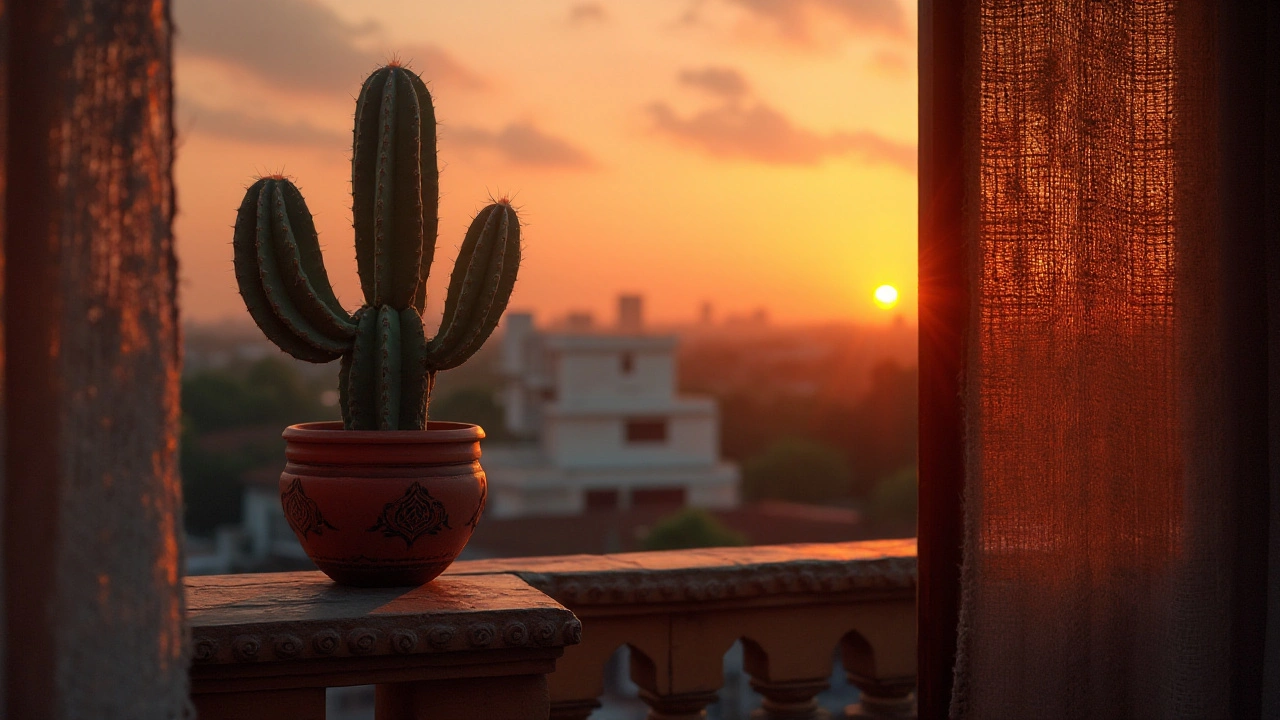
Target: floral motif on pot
{"points": [[302, 512], [412, 515]]}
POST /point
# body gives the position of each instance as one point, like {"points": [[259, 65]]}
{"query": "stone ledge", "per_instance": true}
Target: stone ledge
{"points": [[239, 619], [683, 576]]}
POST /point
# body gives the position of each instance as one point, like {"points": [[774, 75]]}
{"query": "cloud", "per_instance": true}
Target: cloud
{"points": [[587, 12], [298, 44], [760, 133], [890, 63], [723, 82], [234, 125], [521, 144], [801, 20]]}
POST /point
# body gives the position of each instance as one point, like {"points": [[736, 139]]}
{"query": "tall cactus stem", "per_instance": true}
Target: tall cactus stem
{"points": [[395, 188], [388, 366], [361, 382], [414, 379]]}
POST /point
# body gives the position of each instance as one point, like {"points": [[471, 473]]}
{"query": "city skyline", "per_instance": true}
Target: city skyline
{"points": [[686, 151]]}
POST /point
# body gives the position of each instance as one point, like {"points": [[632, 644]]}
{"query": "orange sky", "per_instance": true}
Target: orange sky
{"points": [[749, 153]]}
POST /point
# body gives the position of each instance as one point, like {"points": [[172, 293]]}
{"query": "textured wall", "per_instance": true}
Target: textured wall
{"points": [[93, 500]]}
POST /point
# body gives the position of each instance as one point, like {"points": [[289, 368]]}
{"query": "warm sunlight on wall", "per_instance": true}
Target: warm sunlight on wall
{"points": [[738, 153]]}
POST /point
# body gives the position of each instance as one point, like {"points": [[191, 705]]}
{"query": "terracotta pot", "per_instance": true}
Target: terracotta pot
{"points": [[383, 509]]}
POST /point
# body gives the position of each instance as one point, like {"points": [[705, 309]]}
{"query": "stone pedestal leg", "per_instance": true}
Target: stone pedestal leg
{"points": [[790, 699], [883, 699], [682, 706]]}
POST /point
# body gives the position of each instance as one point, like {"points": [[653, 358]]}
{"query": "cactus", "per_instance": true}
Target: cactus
{"points": [[388, 365]]}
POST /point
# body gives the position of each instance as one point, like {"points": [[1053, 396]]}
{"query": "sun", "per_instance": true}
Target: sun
{"points": [[886, 296]]}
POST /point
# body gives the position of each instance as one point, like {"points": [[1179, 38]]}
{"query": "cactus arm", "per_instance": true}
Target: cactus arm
{"points": [[489, 275], [414, 381], [503, 270], [361, 383], [388, 366], [312, 295], [466, 283], [310, 259], [257, 277], [277, 289]]}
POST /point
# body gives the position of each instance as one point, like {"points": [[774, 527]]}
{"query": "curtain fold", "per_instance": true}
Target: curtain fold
{"points": [[1117, 497]]}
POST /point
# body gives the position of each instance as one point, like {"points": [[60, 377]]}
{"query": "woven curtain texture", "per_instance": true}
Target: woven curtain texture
{"points": [[1090, 586]]}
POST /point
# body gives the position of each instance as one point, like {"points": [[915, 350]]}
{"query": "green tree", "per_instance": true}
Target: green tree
{"points": [[267, 391], [691, 528], [472, 405], [879, 433], [214, 457], [797, 470], [895, 498]]}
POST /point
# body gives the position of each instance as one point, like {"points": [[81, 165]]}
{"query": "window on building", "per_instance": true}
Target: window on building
{"points": [[658, 497], [647, 430], [602, 499]]}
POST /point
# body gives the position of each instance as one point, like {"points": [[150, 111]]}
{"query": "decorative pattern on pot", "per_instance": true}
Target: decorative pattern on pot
{"points": [[413, 515], [302, 512]]}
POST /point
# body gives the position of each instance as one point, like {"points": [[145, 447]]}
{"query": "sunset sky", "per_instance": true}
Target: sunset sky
{"points": [[746, 153]]}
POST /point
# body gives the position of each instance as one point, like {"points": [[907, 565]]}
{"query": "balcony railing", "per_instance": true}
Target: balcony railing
{"points": [[499, 638]]}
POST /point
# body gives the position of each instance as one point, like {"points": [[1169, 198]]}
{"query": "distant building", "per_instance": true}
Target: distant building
{"points": [[630, 314], [604, 424]]}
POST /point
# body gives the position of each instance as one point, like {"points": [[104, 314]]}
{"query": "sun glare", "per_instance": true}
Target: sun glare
{"points": [[886, 297]]}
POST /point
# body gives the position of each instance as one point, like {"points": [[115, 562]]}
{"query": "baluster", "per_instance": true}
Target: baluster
{"points": [[678, 706], [883, 699], [790, 699]]}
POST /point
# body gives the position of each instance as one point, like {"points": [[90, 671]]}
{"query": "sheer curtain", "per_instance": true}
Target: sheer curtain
{"points": [[1117, 491]]}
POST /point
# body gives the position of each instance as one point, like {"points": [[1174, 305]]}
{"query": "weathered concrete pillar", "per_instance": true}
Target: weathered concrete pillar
{"points": [[92, 501]]}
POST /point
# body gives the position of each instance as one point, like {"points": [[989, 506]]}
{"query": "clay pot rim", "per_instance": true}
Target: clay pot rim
{"points": [[332, 432]]}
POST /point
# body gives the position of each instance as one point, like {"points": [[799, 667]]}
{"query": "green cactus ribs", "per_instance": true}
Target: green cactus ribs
{"points": [[388, 365]]}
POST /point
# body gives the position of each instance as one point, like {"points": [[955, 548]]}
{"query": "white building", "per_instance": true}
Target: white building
{"points": [[606, 427]]}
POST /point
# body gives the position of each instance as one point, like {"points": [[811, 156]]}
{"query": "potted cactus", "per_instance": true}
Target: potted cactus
{"points": [[386, 497]]}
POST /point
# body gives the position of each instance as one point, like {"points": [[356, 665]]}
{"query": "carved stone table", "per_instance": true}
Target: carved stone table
{"points": [[266, 646]]}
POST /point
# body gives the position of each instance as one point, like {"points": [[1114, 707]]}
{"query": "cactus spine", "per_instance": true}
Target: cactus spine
{"points": [[388, 365]]}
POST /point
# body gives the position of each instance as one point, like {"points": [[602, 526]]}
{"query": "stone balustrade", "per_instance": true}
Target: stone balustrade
{"points": [[529, 637], [792, 606]]}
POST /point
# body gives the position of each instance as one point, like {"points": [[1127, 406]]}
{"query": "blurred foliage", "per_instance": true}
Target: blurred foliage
{"points": [[797, 470], [266, 391], [231, 423], [879, 432], [212, 482], [875, 433], [895, 498], [691, 528], [471, 405]]}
